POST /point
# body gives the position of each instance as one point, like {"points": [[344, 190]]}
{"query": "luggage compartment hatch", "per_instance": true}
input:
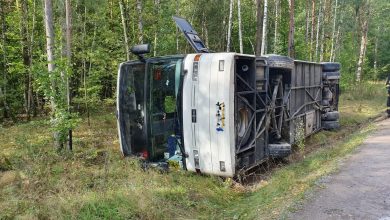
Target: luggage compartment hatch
{"points": [[191, 35]]}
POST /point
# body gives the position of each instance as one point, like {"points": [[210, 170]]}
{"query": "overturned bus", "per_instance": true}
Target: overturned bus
{"points": [[221, 113]]}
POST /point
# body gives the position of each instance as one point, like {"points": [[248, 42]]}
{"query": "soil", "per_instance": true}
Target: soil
{"points": [[360, 190]]}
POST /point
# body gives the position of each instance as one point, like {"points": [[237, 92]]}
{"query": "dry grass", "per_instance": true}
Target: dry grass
{"points": [[95, 182]]}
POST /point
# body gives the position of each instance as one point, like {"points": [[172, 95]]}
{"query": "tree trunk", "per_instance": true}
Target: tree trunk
{"points": [[229, 35], [156, 25], [25, 54], [3, 92], [333, 31], [363, 44], [50, 59], [31, 92], [239, 26], [319, 19], [264, 34], [140, 23], [337, 41], [177, 29], [276, 35], [124, 26], [376, 54], [206, 32], [313, 18], [307, 15], [291, 49], [259, 27], [85, 65], [322, 41], [68, 18]]}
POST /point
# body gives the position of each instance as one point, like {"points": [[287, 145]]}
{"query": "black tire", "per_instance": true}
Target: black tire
{"points": [[330, 67], [331, 75], [330, 125], [330, 116], [277, 61]]}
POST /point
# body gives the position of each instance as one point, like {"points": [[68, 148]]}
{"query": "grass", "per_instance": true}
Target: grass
{"points": [[95, 182]]}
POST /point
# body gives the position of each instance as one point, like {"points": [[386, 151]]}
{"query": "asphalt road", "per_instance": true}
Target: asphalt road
{"points": [[361, 190]]}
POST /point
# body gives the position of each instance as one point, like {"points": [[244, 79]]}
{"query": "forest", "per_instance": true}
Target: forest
{"points": [[88, 39], [58, 71]]}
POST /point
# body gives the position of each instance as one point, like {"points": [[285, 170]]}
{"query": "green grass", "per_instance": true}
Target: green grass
{"points": [[96, 182]]}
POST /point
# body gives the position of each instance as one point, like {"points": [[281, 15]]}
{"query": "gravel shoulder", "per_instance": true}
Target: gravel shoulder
{"points": [[361, 189]]}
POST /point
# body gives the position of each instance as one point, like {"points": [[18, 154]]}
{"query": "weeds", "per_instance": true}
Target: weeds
{"points": [[299, 136], [96, 182]]}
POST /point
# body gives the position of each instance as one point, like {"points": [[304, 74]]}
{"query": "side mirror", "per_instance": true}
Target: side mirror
{"points": [[140, 49]]}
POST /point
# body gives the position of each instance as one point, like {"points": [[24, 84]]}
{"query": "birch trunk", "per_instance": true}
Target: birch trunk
{"points": [[364, 15], [318, 30], [337, 42], [206, 32], [264, 34], [239, 26], [322, 40], [229, 35], [48, 11], [276, 37], [177, 29], [333, 31], [291, 49], [156, 25], [140, 22], [313, 17], [124, 26], [363, 44], [376, 54]]}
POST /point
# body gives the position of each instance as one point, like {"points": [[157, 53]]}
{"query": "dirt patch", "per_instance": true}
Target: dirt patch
{"points": [[8, 178]]}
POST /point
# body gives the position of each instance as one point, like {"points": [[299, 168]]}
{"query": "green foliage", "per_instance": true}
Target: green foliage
{"points": [[299, 136]]}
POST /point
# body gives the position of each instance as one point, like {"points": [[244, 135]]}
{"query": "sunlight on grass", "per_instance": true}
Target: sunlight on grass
{"points": [[96, 182]]}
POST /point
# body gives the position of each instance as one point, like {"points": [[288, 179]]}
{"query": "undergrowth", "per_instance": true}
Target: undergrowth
{"points": [[96, 182]]}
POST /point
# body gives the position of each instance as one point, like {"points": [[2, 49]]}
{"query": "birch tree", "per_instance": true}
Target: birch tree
{"points": [[313, 17], [363, 42], [229, 35], [239, 26], [376, 53], [322, 40], [48, 11], [140, 22], [333, 32], [276, 30], [124, 26], [264, 34], [156, 28], [319, 20]]}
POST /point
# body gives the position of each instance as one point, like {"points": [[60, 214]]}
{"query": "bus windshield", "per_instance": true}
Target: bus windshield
{"points": [[164, 79]]}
